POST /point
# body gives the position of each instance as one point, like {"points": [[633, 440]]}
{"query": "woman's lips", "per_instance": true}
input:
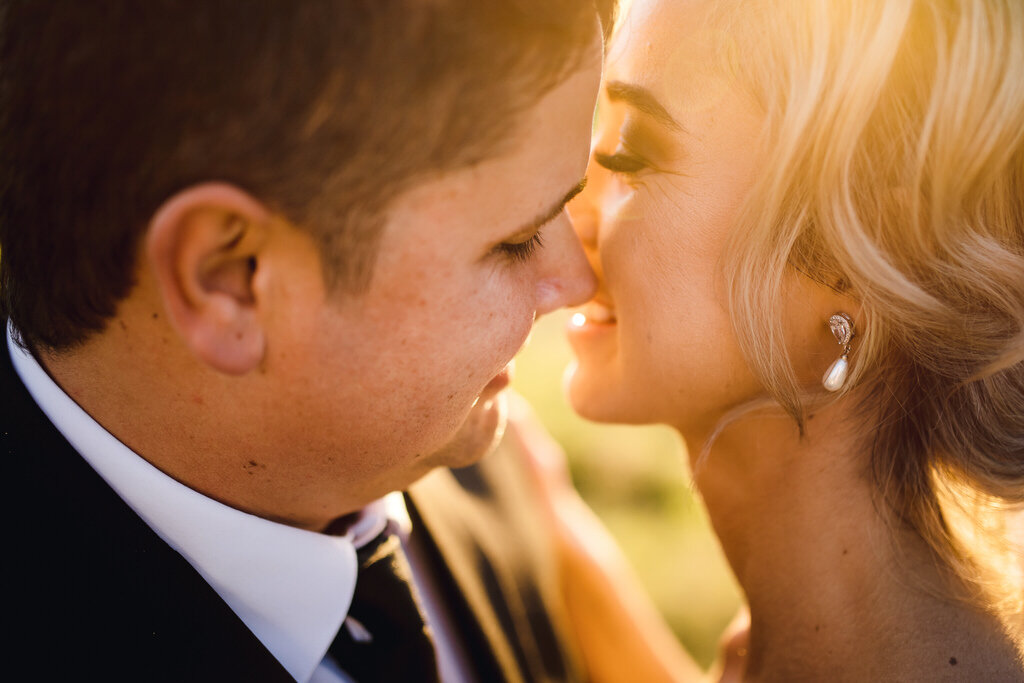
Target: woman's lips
{"points": [[593, 313], [594, 323]]}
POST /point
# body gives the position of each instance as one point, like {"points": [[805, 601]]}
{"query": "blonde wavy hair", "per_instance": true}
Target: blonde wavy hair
{"points": [[895, 143]]}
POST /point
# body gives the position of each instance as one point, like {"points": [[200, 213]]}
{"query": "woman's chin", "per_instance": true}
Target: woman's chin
{"points": [[583, 397], [595, 397]]}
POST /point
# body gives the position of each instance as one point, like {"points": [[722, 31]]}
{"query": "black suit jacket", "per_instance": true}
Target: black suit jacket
{"points": [[94, 594]]}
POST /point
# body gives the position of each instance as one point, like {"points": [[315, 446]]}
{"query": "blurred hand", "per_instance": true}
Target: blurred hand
{"points": [[733, 650], [544, 458]]}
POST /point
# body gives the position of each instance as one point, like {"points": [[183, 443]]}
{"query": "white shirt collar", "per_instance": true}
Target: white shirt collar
{"points": [[291, 587]]}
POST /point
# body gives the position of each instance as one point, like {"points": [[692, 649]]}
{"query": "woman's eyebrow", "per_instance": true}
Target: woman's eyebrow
{"points": [[641, 99]]}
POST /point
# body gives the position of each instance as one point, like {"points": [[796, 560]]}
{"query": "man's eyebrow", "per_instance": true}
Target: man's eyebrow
{"points": [[643, 100], [553, 212]]}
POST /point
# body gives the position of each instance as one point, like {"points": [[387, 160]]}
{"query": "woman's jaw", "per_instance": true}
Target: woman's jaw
{"points": [[592, 331], [600, 383], [611, 379]]}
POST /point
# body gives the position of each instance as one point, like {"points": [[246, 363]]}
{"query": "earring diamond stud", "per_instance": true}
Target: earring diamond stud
{"points": [[843, 330]]}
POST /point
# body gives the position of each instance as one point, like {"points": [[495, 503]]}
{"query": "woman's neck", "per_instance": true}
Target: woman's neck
{"points": [[836, 587]]}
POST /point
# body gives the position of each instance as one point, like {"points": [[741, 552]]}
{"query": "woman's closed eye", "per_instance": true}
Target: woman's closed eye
{"points": [[621, 162]]}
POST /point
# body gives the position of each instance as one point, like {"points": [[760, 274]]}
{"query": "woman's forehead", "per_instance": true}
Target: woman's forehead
{"points": [[674, 50]]}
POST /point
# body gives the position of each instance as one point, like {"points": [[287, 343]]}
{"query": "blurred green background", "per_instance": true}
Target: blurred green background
{"points": [[637, 481]]}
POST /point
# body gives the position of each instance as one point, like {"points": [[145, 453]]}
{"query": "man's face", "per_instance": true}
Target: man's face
{"points": [[372, 391]]}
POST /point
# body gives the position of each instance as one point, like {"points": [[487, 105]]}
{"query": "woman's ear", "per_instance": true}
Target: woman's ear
{"points": [[810, 304], [204, 247]]}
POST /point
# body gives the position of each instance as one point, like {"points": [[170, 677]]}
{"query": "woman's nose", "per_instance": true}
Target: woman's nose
{"points": [[569, 280], [585, 213]]}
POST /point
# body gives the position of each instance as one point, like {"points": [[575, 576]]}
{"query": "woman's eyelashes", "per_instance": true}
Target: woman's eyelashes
{"points": [[518, 252], [621, 162]]}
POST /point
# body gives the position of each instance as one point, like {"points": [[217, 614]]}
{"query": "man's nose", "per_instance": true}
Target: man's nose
{"points": [[568, 279]]}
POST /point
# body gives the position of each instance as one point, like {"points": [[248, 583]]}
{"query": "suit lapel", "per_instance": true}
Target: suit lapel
{"points": [[439, 507]]}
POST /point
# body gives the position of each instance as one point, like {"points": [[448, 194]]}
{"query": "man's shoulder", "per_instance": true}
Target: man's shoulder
{"points": [[90, 581]]}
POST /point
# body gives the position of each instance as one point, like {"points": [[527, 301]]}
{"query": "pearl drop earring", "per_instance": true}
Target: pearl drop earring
{"points": [[842, 328]]}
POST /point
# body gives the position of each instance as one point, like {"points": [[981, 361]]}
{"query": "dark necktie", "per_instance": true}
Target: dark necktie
{"points": [[392, 641]]}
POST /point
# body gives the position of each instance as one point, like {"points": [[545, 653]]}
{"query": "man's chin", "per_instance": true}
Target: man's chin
{"points": [[478, 435]]}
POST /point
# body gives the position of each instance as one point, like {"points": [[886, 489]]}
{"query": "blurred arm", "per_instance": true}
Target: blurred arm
{"points": [[622, 636]]}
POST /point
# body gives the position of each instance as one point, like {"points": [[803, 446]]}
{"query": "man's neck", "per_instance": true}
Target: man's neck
{"points": [[149, 395]]}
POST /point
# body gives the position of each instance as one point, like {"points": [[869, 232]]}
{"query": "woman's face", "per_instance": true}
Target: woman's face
{"points": [[676, 154]]}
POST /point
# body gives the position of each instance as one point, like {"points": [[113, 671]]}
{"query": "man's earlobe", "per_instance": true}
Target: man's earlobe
{"points": [[204, 246]]}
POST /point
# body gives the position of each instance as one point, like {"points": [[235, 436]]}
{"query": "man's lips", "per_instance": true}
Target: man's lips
{"points": [[499, 381]]}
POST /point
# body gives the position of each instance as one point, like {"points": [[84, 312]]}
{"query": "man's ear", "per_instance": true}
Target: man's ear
{"points": [[204, 247]]}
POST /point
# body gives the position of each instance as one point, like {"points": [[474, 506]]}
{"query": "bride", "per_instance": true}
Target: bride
{"points": [[808, 223]]}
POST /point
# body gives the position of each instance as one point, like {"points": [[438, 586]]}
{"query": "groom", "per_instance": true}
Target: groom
{"points": [[262, 265]]}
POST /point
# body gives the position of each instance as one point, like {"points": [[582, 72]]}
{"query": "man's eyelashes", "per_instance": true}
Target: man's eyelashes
{"points": [[518, 252]]}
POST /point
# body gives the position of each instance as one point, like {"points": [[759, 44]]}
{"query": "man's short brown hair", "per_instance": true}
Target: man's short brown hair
{"points": [[322, 109]]}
